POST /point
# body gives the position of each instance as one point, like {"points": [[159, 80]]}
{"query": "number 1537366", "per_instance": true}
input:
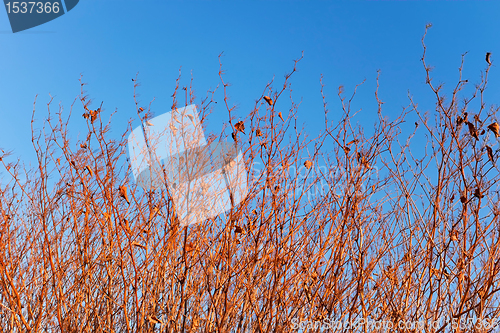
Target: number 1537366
{"points": [[24, 7]]}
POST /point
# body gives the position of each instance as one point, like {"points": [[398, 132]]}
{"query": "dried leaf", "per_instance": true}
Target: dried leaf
{"points": [[123, 193], [240, 126], [490, 153], [463, 197], [472, 131], [268, 100], [134, 243], [153, 319], [495, 129], [281, 116], [189, 247], [173, 129], [308, 164], [239, 230], [93, 116], [89, 170], [488, 60]]}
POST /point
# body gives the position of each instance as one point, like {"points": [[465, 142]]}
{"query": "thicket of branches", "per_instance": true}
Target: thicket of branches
{"points": [[417, 240]]}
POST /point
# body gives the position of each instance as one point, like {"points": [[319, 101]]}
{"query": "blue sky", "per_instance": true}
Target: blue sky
{"points": [[109, 41]]}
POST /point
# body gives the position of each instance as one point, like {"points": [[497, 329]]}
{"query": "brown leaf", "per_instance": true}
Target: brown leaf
{"points": [[234, 136], [141, 109], [240, 126], [89, 170], [153, 319], [134, 243], [83, 145], [477, 193], [189, 247], [258, 132], [495, 129], [58, 161], [308, 164], [459, 121], [490, 153], [239, 230], [488, 60], [268, 100], [463, 197], [472, 131], [93, 116], [281, 116], [123, 193]]}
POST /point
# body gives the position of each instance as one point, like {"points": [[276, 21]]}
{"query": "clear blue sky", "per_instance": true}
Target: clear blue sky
{"points": [[109, 41]]}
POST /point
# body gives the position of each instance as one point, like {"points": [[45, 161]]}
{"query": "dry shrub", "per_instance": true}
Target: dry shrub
{"points": [[342, 226]]}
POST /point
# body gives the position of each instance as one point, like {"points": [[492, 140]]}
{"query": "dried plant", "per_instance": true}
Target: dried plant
{"points": [[386, 227]]}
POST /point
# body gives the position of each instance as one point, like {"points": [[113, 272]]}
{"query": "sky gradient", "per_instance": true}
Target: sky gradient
{"points": [[108, 42]]}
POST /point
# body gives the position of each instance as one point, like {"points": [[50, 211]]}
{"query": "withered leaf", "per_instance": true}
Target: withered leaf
{"points": [[268, 100], [123, 193], [134, 243], [281, 116], [473, 131], [89, 170], [495, 128], [240, 126], [463, 197], [490, 153]]}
